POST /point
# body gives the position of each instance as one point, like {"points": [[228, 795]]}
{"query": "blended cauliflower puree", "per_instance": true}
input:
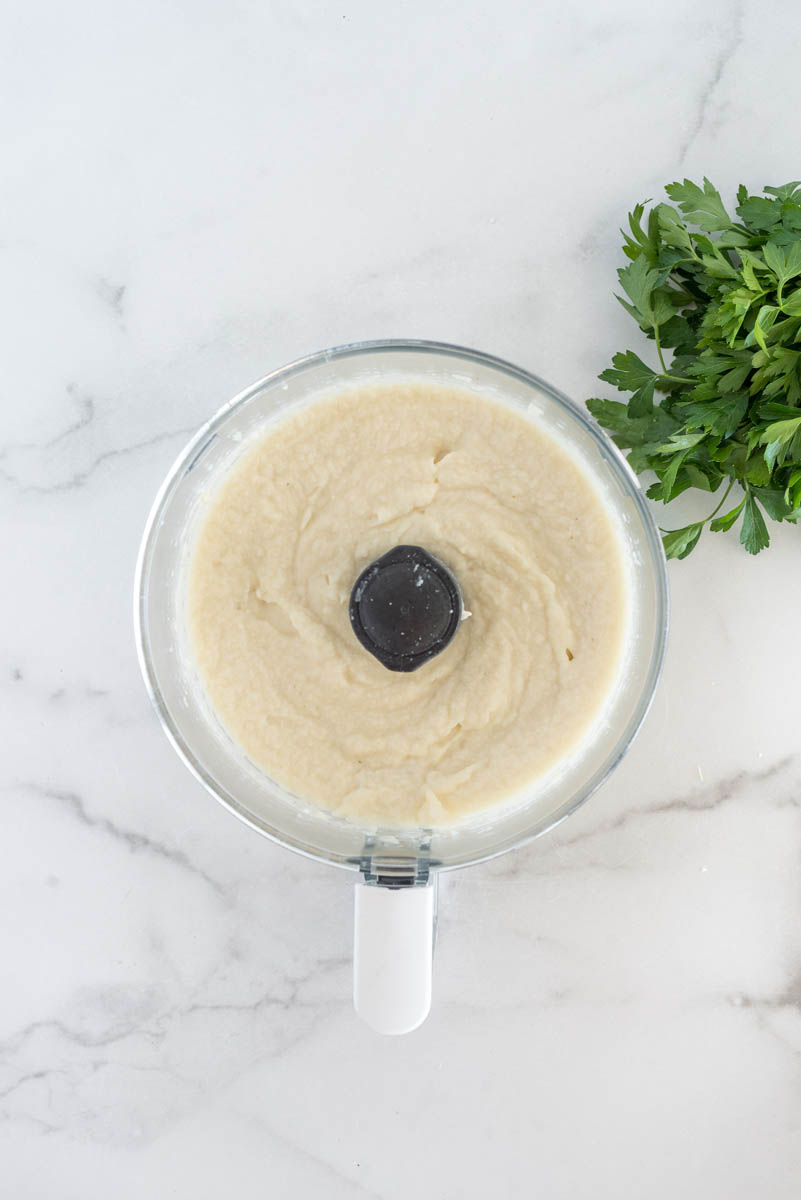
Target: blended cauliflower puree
{"points": [[513, 516]]}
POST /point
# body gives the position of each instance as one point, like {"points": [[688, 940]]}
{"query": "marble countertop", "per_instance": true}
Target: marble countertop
{"points": [[193, 194]]}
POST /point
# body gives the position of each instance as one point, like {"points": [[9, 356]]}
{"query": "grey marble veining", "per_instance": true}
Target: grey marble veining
{"points": [[193, 195]]}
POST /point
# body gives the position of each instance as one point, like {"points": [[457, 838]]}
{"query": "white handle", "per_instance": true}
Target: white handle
{"points": [[393, 953]]}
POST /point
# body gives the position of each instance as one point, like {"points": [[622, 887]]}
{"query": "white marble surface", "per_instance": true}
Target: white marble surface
{"points": [[194, 193]]}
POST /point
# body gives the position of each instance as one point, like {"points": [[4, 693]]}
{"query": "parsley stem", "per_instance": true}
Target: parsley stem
{"points": [[677, 378], [665, 373], [659, 351], [723, 501]]}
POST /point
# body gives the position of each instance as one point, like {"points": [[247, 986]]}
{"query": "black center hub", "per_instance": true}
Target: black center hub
{"points": [[405, 608]]}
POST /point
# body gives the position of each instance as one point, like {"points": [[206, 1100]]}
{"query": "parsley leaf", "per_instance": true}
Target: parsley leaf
{"points": [[760, 214], [679, 543], [784, 261], [754, 532], [629, 373], [703, 206], [720, 524]]}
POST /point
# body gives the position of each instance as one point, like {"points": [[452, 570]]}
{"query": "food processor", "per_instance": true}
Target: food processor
{"points": [[396, 869]]}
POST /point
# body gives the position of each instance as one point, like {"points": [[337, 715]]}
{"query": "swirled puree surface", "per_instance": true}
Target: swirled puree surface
{"points": [[521, 527]]}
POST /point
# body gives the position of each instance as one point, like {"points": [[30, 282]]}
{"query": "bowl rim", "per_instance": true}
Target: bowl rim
{"points": [[194, 447]]}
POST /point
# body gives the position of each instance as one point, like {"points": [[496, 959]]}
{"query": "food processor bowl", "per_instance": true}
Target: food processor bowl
{"points": [[397, 868]]}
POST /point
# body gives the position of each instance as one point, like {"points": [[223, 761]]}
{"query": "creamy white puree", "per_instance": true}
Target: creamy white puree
{"points": [[519, 523]]}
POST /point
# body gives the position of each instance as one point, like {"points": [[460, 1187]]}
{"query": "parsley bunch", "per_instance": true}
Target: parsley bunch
{"points": [[725, 296]]}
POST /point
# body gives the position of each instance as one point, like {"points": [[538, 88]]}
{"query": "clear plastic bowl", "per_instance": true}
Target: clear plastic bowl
{"points": [[179, 697]]}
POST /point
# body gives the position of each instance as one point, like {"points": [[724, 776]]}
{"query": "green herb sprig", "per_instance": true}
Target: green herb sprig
{"points": [[725, 297]]}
